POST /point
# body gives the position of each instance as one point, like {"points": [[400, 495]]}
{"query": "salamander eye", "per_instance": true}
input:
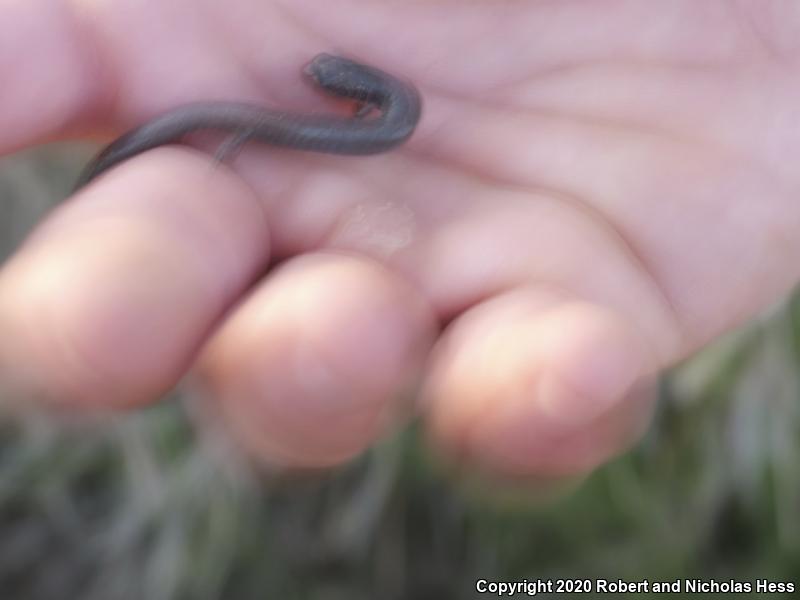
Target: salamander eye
{"points": [[341, 76]]}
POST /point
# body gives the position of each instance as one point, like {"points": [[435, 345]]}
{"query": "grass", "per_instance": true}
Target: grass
{"points": [[149, 506]]}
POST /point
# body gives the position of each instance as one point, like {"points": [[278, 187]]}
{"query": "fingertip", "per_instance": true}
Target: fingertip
{"points": [[536, 383], [318, 361], [108, 301], [590, 360]]}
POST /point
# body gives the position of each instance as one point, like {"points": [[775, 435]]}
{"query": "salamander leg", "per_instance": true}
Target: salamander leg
{"points": [[230, 147]]}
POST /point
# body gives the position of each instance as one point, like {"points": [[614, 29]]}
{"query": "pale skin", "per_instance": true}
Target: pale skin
{"points": [[595, 191]]}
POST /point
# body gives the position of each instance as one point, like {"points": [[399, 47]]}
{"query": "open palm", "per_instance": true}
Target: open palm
{"points": [[595, 190]]}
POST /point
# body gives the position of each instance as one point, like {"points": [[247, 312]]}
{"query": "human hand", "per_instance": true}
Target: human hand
{"points": [[595, 191]]}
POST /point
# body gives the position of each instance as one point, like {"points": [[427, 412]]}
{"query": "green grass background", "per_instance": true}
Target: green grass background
{"points": [[148, 505]]}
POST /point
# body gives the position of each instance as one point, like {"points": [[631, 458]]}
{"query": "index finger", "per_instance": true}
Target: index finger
{"points": [[51, 76], [110, 299]]}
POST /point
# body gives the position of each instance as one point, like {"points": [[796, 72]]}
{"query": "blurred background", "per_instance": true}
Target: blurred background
{"points": [[149, 505]]}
